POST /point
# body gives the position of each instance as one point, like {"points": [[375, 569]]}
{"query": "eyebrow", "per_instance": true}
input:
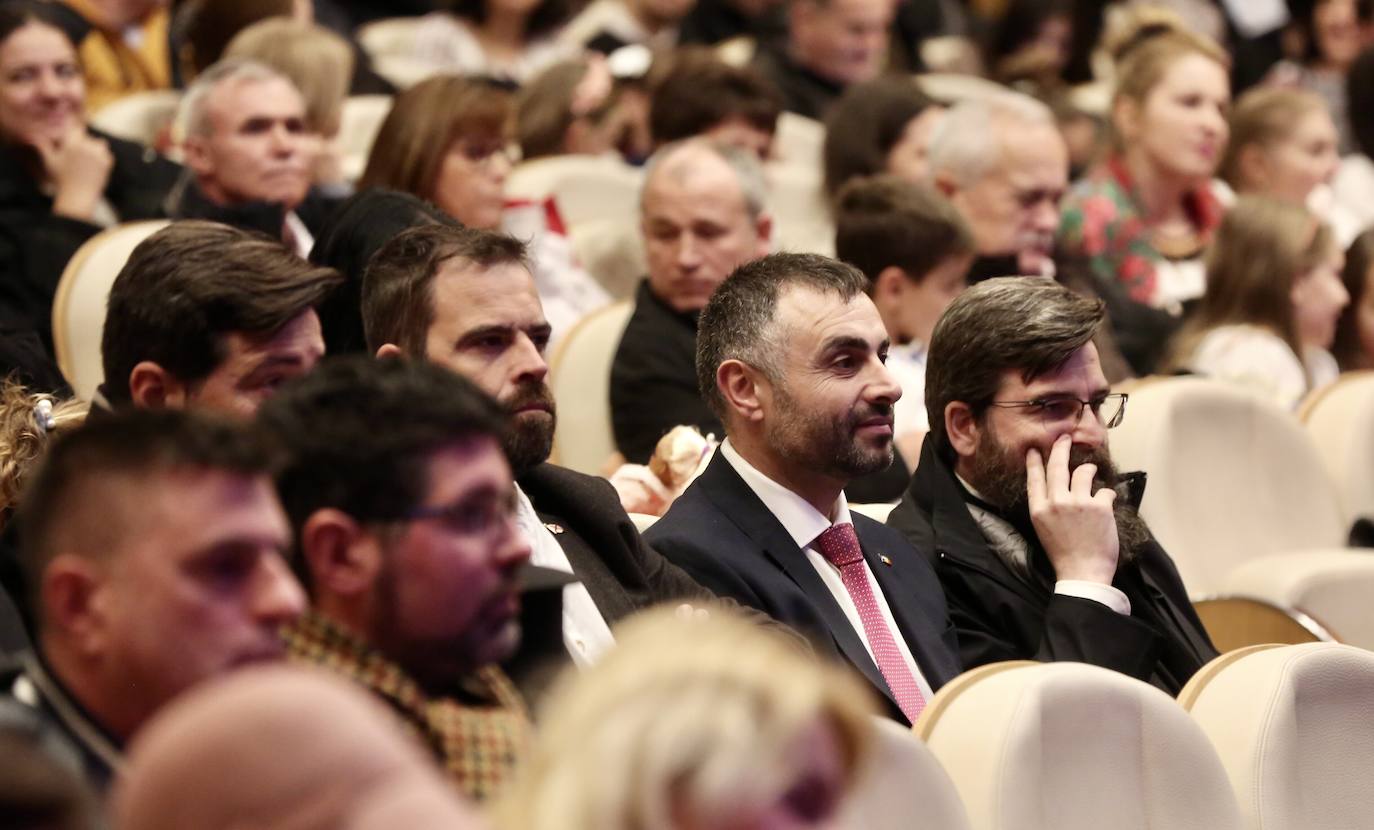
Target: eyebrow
{"points": [[848, 341]]}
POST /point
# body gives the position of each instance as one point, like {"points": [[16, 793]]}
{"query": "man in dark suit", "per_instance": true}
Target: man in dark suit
{"points": [[790, 354], [464, 298], [1035, 535]]}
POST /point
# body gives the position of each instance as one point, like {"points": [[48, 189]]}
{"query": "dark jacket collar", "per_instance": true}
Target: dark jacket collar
{"points": [[188, 201], [644, 295]]}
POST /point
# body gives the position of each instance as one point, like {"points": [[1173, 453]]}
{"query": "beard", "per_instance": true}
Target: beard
{"points": [[998, 472], [829, 445], [529, 434]]}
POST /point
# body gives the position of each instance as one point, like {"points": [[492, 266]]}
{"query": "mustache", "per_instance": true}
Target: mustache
{"points": [[868, 412], [531, 394]]}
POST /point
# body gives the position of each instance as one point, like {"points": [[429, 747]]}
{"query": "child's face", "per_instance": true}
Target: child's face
{"points": [[1318, 297], [924, 302]]}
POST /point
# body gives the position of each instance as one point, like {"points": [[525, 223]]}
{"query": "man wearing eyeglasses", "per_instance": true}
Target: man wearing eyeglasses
{"points": [[1036, 536]]}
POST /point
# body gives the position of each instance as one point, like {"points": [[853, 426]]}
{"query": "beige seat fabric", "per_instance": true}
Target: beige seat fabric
{"points": [[801, 218], [580, 377], [585, 188], [138, 117], [798, 142], [612, 251], [1294, 727], [391, 45], [1069, 746], [1340, 420], [362, 119], [903, 786], [78, 309]]}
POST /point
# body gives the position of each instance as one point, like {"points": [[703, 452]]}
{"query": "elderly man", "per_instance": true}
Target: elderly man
{"points": [[790, 354], [1004, 165], [208, 315], [830, 45], [248, 155], [701, 215], [403, 510], [152, 550], [1040, 549]]}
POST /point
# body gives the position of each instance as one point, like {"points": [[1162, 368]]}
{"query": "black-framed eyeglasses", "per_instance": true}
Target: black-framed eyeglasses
{"points": [[1110, 409], [471, 517]]}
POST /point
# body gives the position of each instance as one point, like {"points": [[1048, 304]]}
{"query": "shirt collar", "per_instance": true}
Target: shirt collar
{"points": [[798, 517]]}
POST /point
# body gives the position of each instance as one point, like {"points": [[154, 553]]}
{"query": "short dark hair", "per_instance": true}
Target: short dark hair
{"points": [[1359, 98], [883, 221], [128, 444], [864, 126], [700, 91], [1359, 259], [188, 285], [358, 435], [737, 323], [1028, 324], [398, 295]]}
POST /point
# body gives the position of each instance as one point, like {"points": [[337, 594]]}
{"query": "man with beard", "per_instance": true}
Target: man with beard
{"points": [[790, 354], [464, 298], [1034, 534], [402, 509]]}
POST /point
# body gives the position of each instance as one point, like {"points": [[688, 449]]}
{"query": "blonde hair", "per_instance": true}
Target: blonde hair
{"points": [[1263, 116], [1147, 41], [1261, 249], [685, 717], [318, 62], [24, 435]]}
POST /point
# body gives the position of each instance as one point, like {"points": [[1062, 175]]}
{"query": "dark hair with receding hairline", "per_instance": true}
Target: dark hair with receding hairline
{"points": [[398, 285], [1031, 325], [884, 221], [188, 285], [359, 434], [738, 321]]}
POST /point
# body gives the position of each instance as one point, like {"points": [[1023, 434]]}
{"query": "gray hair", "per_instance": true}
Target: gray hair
{"points": [[748, 171], [968, 140], [191, 118]]}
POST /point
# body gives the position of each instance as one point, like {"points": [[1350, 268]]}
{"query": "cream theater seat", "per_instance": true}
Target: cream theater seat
{"points": [[1069, 746], [1294, 727], [580, 378], [1340, 420], [903, 786]]}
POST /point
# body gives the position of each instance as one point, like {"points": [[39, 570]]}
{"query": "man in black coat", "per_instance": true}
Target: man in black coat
{"points": [[1034, 534]]}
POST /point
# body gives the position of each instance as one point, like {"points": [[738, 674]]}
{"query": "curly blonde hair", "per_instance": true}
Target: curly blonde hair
{"points": [[694, 718], [23, 438]]}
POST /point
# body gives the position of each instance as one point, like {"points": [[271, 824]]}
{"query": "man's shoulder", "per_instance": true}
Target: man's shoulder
{"points": [[571, 495]]}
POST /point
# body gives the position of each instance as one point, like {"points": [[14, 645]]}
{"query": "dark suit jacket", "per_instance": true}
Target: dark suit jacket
{"points": [[1002, 614], [803, 91], [722, 534]]}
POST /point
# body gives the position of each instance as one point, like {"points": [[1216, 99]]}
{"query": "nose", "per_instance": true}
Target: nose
{"points": [[277, 598], [529, 363], [283, 140], [885, 388], [499, 164], [1046, 215], [512, 549], [688, 253], [49, 85], [1089, 431]]}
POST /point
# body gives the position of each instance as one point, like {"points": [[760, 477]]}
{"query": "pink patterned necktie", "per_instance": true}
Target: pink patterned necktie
{"points": [[840, 545]]}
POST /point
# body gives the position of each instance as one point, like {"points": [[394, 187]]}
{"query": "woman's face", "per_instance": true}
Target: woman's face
{"points": [[472, 181], [42, 92], [1181, 125], [1318, 297], [1336, 28], [1307, 157], [907, 158]]}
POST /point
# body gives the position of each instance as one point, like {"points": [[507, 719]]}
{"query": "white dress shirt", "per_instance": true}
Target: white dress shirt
{"points": [[585, 632], [804, 523]]}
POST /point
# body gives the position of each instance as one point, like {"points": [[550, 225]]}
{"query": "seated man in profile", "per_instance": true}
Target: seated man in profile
{"points": [[151, 548], [403, 509], [1034, 534], [208, 315]]}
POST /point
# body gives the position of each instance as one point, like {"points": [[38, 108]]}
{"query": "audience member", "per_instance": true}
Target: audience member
{"points": [[1353, 346], [1274, 293], [575, 107], [1004, 165], [504, 40], [151, 547], [362, 223], [1354, 179], [606, 25], [60, 182], [712, 22], [702, 215], [282, 749], [464, 298], [915, 250], [880, 126], [1029, 45], [1042, 554], [126, 48], [701, 95], [790, 356], [403, 512], [1330, 34], [318, 63], [40, 788], [1144, 215], [249, 159], [831, 44], [209, 315], [694, 723]]}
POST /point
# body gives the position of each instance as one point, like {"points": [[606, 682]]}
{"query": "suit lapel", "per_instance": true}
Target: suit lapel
{"points": [[732, 497], [896, 577]]}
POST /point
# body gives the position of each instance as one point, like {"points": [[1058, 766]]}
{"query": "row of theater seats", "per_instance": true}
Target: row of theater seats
{"points": [[1271, 737]]}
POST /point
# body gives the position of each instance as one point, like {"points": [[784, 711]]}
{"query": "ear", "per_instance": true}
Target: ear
{"points": [[69, 600], [763, 227], [196, 155], [390, 350], [891, 284], [343, 557], [962, 428], [153, 387], [740, 385]]}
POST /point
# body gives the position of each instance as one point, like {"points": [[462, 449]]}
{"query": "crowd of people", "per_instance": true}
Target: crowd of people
{"points": [[303, 559]]}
